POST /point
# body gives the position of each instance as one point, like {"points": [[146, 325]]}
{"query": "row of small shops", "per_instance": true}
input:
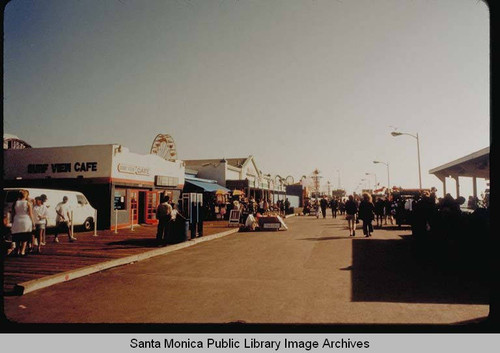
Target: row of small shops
{"points": [[126, 187]]}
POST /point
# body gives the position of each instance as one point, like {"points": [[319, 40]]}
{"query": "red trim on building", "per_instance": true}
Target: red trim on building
{"points": [[123, 226]]}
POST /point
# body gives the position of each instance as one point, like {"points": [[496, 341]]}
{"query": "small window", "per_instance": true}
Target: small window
{"points": [[82, 200]]}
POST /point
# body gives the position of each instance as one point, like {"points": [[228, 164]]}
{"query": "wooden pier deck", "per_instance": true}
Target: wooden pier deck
{"points": [[85, 251]]}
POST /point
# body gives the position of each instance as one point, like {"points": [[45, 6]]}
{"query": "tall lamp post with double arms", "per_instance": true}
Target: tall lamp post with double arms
{"points": [[395, 134]]}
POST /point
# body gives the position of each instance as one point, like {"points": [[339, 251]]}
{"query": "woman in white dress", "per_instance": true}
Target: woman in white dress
{"points": [[40, 212], [23, 222]]}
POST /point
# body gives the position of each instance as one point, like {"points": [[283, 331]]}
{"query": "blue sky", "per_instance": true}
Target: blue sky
{"points": [[299, 84]]}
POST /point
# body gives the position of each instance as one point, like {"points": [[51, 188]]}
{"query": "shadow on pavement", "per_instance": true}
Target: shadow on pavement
{"points": [[389, 271], [143, 243], [393, 227], [325, 238]]}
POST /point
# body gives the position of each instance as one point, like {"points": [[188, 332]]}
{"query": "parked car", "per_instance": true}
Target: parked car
{"points": [[403, 211], [83, 213]]}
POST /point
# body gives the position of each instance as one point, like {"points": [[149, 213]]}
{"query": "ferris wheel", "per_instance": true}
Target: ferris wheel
{"points": [[164, 146]]}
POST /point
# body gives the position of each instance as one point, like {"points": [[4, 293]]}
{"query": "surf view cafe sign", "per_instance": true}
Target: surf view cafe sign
{"points": [[55, 168]]}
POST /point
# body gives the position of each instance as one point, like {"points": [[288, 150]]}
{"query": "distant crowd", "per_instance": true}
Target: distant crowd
{"points": [[355, 208], [424, 211]]}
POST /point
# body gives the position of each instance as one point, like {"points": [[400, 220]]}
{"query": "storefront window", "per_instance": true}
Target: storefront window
{"points": [[120, 199]]}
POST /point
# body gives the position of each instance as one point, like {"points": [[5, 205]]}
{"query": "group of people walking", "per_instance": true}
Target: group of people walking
{"points": [[28, 218], [355, 209], [251, 206], [363, 210], [336, 204]]}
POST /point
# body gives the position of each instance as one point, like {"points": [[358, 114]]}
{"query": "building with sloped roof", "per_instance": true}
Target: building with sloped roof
{"points": [[239, 174], [474, 165]]}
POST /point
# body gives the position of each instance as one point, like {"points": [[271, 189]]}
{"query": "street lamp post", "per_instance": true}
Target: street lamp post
{"points": [[278, 179], [366, 181], [375, 175], [388, 179], [360, 185], [290, 181], [396, 133]]}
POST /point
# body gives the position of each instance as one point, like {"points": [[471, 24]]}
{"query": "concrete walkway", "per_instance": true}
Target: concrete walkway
{"points": [[312, 273]]}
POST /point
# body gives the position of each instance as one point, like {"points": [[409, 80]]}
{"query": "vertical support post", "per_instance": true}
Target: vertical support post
{"points": [[419, 172], [72, 224], [457, 185], [116, 221], [132, 220], [95, 223], [444, 186], [474, 186]]}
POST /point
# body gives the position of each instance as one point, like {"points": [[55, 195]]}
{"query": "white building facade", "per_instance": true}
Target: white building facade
{"points": [[239, 174], [124, 187]]}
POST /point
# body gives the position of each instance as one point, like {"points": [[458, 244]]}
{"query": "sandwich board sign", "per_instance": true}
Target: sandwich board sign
{"points": [[234, 218]]}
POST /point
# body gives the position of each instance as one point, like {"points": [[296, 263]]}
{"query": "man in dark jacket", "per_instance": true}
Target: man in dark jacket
{"points": [[163, 212], [366, 211], [379, 211], [334, 205], [351, 208], [287, 206], [323, 203]]}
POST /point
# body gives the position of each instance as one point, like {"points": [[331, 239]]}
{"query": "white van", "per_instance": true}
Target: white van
{"points": [[83, 213]]}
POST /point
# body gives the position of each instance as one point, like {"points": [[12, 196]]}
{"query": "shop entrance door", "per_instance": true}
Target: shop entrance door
{"points": [[134, 201], [151, 203]]}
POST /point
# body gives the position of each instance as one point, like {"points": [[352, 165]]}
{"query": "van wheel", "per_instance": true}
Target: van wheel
{"points": [[88, 224]]}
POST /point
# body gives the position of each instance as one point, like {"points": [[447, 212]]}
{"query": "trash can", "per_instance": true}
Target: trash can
{"points": [[180, 229]]}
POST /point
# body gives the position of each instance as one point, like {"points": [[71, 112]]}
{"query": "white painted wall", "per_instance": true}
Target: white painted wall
{"points": [[232, 175], [213, 172], [58, 162], [95, 161], [138, 167]]}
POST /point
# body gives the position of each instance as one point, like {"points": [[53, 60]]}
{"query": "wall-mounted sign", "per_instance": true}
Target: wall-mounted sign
{"points": [[133, 169], [62, 167], [119, 202], [163, 180]]}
